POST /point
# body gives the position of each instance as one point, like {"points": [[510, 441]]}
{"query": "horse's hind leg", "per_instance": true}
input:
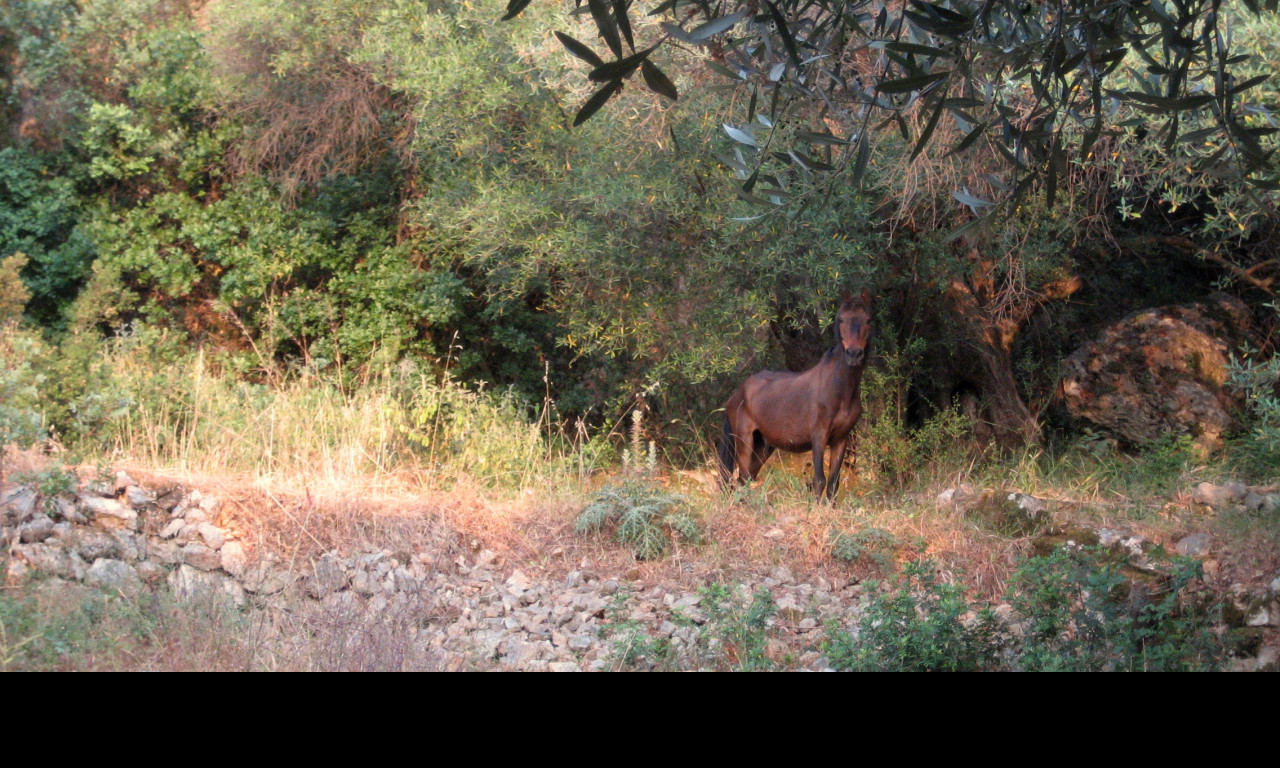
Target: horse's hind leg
{"points": [[760, 453]]}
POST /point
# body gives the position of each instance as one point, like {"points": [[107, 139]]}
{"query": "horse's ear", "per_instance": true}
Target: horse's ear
{"points": [[866, 298], [846, 298]]}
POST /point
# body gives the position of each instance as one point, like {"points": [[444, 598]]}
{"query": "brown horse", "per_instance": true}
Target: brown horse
{"points": [[801, 411]]}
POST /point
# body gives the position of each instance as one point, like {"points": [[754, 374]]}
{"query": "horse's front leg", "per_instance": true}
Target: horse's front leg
{"points": [[819, 481], [837, 462]]}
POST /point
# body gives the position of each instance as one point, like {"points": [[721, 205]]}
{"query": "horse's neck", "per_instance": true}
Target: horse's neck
{"points": [[848, 378]]}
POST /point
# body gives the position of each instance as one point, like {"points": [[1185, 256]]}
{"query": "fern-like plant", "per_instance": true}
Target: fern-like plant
{"points": [[645, 518]]}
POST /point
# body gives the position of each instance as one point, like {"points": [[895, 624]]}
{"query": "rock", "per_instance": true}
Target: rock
{"points": [[65, 509], [790, 610], [234, 560], [518, 583], [266, 577], [327, 577], [168, 499], [580, 643], [37, 529], [173, 528], [782, 575], [1267, 658], [51, 560], [16, 505], [1218, 496], [199, 556], [364, 583], [133, 546], [109, 513], [1123, 542], [114, 576], [1259, 618], [17, 571], [1161, 372], [139, 497], [202, 586], [1009, 514], [93, 544], [151, 572], [563, 666], [123, 481], [1194, 545], [1073, 537], [164, 552], [213, 536]]}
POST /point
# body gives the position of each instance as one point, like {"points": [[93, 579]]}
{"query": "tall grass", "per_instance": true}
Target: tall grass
{"points": [[401, 428]]}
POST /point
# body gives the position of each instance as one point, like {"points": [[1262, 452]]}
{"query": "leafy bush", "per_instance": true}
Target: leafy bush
{"points": [[644, 518], [1085, 610], [491, 436], [1257, 381], [740, 628], [874, 544], [919, 626], [20, 420], [1081, 610]]}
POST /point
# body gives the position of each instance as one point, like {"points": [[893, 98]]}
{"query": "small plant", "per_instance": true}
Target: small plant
{"points": [[874, 544], [1258, 384], [52, 481], [633, 647], [643, 517], [919, 626], [741, 632]]}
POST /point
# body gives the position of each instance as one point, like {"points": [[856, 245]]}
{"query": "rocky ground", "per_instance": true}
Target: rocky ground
{"points": [[463, 606]]}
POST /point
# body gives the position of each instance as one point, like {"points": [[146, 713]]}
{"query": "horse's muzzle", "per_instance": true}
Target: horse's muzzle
{"points": [[853, 356]]}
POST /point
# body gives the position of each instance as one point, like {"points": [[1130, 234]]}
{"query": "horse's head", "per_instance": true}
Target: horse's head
{"points": [[853, 327]]}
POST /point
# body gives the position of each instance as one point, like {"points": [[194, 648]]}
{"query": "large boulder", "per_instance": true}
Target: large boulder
{"points": [[1161, 371]]}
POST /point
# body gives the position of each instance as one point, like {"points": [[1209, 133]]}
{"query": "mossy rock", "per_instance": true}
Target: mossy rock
{"points": [[1061, 536], [999, 513], [1244, 641]]}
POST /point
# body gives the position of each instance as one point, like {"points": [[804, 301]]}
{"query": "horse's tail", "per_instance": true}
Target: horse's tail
{"points": [[727, 451]]}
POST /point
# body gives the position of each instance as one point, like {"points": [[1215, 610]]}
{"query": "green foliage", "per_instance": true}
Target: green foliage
{"points": [[47, 627], [1257, 383], [20, 391], [119, 148], [731, 633], [874, 544], [954, 78], [644, 518], [740, 628], [1085, 611], [13, 293], [39, 214], [489, 436], [918, 626], [1080, 610], [888, 447], [54, 480], [632, 645]]}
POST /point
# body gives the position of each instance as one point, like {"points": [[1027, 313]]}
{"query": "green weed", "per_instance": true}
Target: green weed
{"points": [[645, 518]]}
